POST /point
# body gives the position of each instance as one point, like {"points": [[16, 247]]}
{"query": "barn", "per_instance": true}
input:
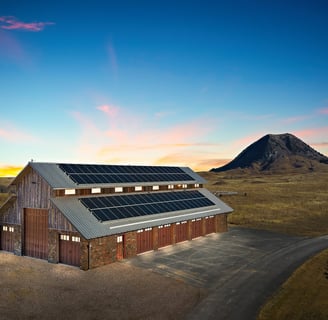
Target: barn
{"points": [[88, 215]]}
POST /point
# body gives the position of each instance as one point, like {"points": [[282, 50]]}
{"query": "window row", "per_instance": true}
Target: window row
{"points": [[8, 229]]}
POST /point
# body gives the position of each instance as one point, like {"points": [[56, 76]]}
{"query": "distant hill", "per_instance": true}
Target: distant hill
{"points": [[277, 153]]}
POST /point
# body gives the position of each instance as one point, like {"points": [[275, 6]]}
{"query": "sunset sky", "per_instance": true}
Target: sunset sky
{"points": [[188, 83]]}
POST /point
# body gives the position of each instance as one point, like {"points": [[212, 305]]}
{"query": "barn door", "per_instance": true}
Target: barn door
{"points": [[210, 224], [181, 231], [196, 228], [144, 240], [36, 233], [164, 235], [7, 238], [69, 250], [119, 248]]}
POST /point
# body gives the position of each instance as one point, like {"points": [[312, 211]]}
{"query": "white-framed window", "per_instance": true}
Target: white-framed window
{"points": [[148, 229], [155, 187], [177, 223], [160, 227], [167, 225], [196, 185], [11, 229], [69, 192], [198, 219], [183, 222], [119, 239], [138, 188], [211, 216], [170, 186], [140, 230], [95, 190], [184, 186], [4, 228], [76, 239], [64, 237], [193, 220], [118, 189]]}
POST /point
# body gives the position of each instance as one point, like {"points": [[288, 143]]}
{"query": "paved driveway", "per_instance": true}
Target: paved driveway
{"points": [[240, 268]]}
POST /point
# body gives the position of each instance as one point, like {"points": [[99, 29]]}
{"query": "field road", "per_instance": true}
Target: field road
{"points": [[240, 268]]}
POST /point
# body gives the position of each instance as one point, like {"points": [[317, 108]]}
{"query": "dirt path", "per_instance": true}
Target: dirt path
{"points": [[34, 289]]}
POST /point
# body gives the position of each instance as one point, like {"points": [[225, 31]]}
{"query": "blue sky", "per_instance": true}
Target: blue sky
{"points": [[159, 82]]}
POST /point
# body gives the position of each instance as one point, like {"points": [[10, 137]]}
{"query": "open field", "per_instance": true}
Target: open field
{"points": [[304, 295], [294, 204]]}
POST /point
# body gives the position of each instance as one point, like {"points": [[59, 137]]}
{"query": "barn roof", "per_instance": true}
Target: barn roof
{"points": [[67, 176], [89, 225]]}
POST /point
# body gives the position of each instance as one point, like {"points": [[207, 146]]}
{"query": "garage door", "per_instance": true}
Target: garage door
{"points": [[7, 238], [210, 226], [196, 228], [36, 233], [181, 231], [69, 249], [144, 240], [164, 235]]}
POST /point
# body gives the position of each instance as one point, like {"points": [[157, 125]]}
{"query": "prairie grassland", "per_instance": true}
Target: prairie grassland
{"points": [[304, 295], [293, 203]]}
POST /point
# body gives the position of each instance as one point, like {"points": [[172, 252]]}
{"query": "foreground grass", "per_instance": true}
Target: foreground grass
{"points": [[304, 295], [294, 204]]}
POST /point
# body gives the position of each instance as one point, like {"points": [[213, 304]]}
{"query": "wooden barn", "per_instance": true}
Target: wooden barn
{"points": [[91, 215]]}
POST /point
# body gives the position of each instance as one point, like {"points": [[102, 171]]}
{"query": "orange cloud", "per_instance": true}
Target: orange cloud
{"points": [[11, 23], [123, 137], [9, 171]]}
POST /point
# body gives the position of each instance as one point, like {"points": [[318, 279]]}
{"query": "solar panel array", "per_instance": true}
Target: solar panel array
{"points": [[107, 208], [100, 174]]}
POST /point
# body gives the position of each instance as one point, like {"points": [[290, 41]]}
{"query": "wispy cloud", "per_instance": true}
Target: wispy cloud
{"points": [[296, 119], [12, 23], [10, 133], [323, 111], [117, 135]]}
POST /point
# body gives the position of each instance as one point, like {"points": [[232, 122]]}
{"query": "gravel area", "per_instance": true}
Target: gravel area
{"points": [[35, 289]]}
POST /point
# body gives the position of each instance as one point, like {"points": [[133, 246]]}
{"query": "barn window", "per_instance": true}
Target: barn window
{"points": [[170, 186], [183, 222], [11, 229], [76, 239], [138, 188], [160, 227], [4, 228], [69, 192], [184, 186], [167, 225], [140, 230], [196, 185], [119, 239], [155, 187], [148, 229], [118, 189], [64, 237], [95, 190]]}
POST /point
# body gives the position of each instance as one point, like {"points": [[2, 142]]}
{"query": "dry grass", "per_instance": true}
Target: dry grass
{"points": [[304, 295], [293, 204]]}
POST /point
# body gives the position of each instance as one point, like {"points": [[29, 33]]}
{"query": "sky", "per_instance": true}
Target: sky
{"points": [[187, 83]]}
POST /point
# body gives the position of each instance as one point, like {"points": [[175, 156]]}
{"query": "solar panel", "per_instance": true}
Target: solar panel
{"points": [[101, 174], [107, 208]]}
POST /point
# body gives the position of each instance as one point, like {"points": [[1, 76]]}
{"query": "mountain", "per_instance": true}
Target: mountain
{"points": [[278, 153]]}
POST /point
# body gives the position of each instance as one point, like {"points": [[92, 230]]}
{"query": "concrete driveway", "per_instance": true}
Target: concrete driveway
{"points": [[240, 268]]}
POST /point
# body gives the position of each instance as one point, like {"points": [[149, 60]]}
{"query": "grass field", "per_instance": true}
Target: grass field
{"points": [[294, 204]]}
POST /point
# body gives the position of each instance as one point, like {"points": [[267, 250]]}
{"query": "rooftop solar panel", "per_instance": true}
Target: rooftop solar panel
{"points": [[107, 208], [102, 174]]}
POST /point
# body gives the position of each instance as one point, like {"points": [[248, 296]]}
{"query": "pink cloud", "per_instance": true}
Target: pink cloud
{"points": [[124, 137], [12, 50], [323, 111], [11, 23], [112, 111], [11, 134]]}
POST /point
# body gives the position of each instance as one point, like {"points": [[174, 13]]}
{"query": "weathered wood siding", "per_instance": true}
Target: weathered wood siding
{"points": [[58, 221]]}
